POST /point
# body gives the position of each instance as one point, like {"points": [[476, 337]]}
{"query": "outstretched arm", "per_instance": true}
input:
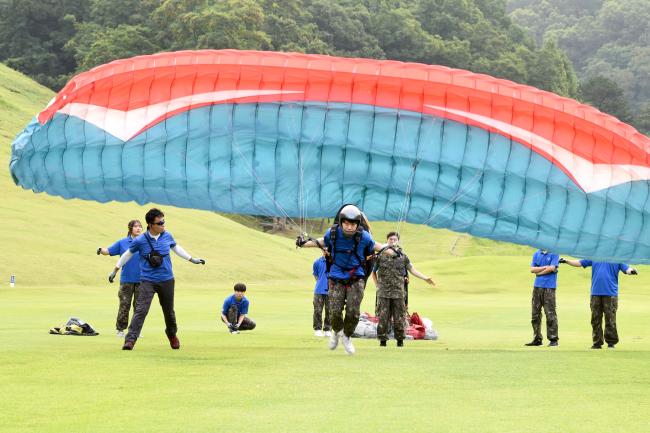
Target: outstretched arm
{"points": [[103, 251], [311, 243], [420, 275], [571, 262], [123, 260], [180, 252]]}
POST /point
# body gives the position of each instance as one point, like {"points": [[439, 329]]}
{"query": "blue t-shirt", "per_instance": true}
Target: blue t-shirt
{"points": [[242, 306], [320, 272], [131, 271], [344, 257], [604, 277], [547, 281], [163, 244]]}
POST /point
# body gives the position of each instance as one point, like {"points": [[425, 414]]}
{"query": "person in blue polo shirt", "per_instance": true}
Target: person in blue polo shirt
{"points": [[156, 276], [321, 301], [350, 245], [235, 309], [604, 298], [545, 267], [129, 277]]}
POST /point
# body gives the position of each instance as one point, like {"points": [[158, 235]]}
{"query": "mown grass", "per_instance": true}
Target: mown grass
{"points": [[278, 378]]}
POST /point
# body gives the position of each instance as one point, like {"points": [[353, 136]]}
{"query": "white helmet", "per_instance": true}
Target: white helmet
{"points": [[351, 213]]}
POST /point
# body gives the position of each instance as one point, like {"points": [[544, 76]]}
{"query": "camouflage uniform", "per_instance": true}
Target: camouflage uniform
{"points": [[543, 297], [607, 306], [348, 293], [390, 294], [320, 302], [128, 292], [233, 316]]}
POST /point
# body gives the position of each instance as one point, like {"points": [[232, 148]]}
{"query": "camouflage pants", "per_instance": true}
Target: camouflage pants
{"points": [[320, 302], [233, 316], [544, 298], [390, 310], [348, 294], [128, 293], [607, 306]]}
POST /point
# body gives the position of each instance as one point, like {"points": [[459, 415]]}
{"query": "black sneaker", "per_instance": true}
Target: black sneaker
{"points": [[596, 346], [400, 343], [553, 344], [611, 346], [534, 343], [382, 343]]}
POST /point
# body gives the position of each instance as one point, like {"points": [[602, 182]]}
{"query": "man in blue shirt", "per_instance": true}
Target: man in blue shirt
{"points": [[129, 277], [321, 301], [348, 246], [604, 298], [544, 266], [235, 309], [156, 276]]}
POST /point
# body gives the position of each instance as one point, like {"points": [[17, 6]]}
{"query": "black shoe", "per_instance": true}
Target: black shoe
{"points": [[382, 343], [611, 346], [596, 346], [400, 343], [534, 343], [553, 344]]}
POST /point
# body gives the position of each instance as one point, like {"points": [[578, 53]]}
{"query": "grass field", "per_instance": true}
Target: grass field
{"points": [[279, 378]]}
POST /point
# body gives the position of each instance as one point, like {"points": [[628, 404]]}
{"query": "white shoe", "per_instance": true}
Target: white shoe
{"points": [[334, 340], [347, 345], [328, 333], [119, 334], [319, 333]]}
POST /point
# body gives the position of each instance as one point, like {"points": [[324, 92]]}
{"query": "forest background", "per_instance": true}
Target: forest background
{"points": [[596, 51]]}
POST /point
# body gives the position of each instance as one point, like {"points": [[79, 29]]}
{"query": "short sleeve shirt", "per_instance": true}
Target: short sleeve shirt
{"points": [[320, 272], [163, 245], [604, 277], [391, 271], [548, 281], [241, 306], [346, 262], [131, 271]]}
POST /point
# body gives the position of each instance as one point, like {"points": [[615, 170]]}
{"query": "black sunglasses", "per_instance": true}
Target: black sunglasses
{"points": [[160, 223]]}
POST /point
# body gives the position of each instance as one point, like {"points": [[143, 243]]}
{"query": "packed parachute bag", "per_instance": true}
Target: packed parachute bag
{"points": [[75, 326]]}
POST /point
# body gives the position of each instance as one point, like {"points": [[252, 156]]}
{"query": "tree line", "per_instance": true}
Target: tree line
{"points": [[535, 42], [608, 42]]}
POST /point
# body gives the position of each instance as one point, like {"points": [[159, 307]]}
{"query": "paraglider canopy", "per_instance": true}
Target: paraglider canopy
{"points": [[296, 135]]}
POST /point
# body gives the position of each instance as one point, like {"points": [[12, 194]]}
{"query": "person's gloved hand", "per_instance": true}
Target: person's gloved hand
{"points": [[300, 241], [99, 250], [111, 277], [562, 260], [197, 261], [634, 272]]}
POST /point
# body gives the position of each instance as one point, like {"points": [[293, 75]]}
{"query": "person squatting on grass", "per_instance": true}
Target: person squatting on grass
{"points": [[349, 247], [545, 267], [322, 328], [129, 277], [156, 276], [235, 309], [604, 298], [389, 275]]}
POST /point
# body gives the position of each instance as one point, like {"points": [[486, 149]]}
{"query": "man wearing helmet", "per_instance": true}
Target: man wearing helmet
{"points": [[347, 244]]}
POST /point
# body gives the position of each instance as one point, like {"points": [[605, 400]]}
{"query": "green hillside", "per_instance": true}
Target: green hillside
{"points": [[279, 378]]}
